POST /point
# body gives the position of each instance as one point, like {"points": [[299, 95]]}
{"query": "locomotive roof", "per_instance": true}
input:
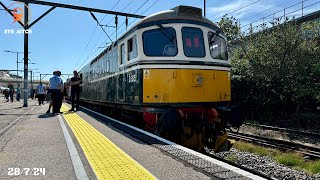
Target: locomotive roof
{"points": [[179, 12], [184, 13]]}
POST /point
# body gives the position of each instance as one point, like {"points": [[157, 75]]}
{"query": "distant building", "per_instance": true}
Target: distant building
{"points": [[6, 77]]}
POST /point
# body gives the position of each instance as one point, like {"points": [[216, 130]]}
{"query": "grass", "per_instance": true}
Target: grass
{"points": [[232, 158], [291, 159], [262, 151], [314, 167]]}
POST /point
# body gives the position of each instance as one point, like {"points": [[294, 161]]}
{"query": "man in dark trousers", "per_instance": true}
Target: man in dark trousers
{"points": [[40, 93], [56, 85], [10, 92], [75, 90]]}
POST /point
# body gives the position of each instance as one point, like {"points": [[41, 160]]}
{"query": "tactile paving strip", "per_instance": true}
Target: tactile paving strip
{"points": [[106, 159]]}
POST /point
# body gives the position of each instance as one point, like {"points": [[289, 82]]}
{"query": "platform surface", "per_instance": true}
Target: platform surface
{"points": [[36, 145]]}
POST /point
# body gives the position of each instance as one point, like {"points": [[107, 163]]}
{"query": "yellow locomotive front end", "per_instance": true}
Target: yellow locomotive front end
{"points": [[185, 86], [196, 93], [185, 75]]}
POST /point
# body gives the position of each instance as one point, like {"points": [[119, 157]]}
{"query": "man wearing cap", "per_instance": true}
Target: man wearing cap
{"points": [[75, 90], [56, 85]]}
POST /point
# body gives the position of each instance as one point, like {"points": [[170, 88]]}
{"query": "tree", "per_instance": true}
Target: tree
{"points": [[230, 27], [275, 72]]}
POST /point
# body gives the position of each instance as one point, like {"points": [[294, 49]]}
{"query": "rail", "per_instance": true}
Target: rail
{"points": [[307, 150]]}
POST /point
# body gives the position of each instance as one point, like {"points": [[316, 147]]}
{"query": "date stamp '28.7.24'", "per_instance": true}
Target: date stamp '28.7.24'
{"points": [[26, 171]]}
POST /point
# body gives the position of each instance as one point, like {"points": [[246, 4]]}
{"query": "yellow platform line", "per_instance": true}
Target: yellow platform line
{"points": [[106, 159]]}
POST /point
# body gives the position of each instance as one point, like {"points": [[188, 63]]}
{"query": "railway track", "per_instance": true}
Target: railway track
{"points": [[307, 150], [306, 133]]}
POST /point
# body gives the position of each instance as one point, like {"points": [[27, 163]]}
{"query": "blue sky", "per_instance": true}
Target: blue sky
{"points": [[68, 39]]}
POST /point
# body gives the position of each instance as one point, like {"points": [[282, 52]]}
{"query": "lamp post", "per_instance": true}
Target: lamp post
{"points": [[35, 76], [25, 89], [31, 83], [16, 52]]}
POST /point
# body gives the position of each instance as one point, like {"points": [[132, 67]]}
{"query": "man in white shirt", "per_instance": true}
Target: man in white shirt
{"points": [[40, 93]]}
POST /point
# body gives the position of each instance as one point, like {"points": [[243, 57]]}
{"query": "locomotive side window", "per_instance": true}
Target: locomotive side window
{"points": [[160, 42], [193, 43], [217, 46], [122, 55], [132, 48]]}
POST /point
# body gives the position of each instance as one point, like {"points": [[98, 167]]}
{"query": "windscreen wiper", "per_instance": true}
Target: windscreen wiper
{"points": [[164, 33]]}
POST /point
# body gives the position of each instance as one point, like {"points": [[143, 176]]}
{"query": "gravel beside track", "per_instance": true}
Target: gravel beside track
{"points": [[266, 165]]}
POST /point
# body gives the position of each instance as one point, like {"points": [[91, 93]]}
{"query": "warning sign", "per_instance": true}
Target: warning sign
{"points": [[146, 74]]}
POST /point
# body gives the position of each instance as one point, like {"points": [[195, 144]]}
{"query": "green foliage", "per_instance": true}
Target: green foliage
{"points": [[276, 71], [230, 27]]}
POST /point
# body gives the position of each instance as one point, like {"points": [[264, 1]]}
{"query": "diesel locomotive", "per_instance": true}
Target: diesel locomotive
{"points": [[171, 73]]}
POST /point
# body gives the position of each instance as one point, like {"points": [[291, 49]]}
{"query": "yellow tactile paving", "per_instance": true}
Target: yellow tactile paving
{"points": [[106, 159]]}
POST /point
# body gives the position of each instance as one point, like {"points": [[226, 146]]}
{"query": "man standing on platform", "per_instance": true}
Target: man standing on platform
{"points": [[10, 92], [56, 85], [40, 93], [75, 90]]}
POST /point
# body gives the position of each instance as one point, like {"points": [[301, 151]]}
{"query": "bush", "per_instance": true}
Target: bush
{"points": [[275, 73]]}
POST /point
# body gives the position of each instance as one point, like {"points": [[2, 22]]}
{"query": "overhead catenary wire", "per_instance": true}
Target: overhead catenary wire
{"points": [[128, 18], [92, 36], [243, 7], [94, 49], [141, 14], [197, 2], [97, 49], [273, 13], [94, 17], [86, 46]]}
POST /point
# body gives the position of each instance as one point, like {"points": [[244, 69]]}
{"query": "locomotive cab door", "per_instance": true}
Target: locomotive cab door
{"points": [[120, 87], [120, 80]]}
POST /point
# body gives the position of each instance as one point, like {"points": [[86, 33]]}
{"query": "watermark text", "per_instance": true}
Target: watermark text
{"points": [[18, 31]]}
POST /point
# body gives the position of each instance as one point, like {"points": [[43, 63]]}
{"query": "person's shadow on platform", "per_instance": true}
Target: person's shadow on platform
{"points": [[47, 115]]}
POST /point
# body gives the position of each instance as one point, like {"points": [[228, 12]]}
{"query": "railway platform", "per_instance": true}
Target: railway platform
{"points": [[89, 145]]}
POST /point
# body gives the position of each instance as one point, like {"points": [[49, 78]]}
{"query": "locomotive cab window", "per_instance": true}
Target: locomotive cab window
{"points": [[160, 42], [193, 43], [217, 46], [132, 48]]}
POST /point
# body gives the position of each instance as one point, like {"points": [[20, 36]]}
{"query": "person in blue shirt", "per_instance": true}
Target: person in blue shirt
{"points": [[56, 86], [40, 93]]}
